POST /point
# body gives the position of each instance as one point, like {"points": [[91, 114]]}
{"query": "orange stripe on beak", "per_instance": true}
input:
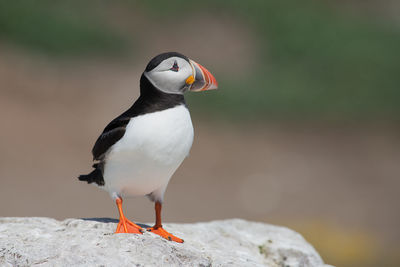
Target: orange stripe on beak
{"points": [[211, 82]]}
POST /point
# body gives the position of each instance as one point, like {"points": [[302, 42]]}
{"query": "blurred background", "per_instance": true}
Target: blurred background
{"points": [[303, 132]]}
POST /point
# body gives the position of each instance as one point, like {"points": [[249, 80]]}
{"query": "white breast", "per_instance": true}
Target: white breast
{"points": [[153, 147]]}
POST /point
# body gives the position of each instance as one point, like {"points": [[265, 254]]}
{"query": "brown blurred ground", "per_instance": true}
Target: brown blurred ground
{"points": [[336, 184]]}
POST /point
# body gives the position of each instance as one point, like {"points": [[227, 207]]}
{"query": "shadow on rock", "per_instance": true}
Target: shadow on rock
{"points": [[112, 220]]}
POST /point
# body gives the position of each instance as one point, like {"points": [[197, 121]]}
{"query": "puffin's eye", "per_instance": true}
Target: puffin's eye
{"points": [[175, 67]]}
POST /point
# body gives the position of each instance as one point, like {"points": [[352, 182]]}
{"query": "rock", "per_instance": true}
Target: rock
{"points": [[91, 242]]}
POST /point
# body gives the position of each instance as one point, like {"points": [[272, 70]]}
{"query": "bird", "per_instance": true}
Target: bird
{"points": [[138, 152]]}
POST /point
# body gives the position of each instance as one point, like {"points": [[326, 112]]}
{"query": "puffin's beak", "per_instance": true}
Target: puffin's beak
{"points": [[201, 79]]}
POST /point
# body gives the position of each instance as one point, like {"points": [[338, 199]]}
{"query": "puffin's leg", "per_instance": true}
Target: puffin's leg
{"points": [[125, 225], [158, 229]]}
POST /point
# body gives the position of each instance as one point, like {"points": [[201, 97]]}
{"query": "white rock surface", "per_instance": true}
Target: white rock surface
{"points": [[90, 242]]}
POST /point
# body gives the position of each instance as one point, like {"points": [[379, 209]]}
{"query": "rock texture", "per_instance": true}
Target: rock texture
{"points": [[90, 242]]}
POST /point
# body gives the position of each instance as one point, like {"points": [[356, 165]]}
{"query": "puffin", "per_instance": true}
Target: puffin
{"points": [[138, 152]]}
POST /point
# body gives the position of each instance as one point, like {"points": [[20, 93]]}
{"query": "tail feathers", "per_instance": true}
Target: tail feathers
{"points": [[96, 176]]}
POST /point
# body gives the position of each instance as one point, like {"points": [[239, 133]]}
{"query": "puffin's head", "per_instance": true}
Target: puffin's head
{"points": [[175, 73]]}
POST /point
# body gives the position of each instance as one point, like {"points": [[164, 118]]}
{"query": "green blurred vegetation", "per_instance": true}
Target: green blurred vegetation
{"points": [[314, 63], [58, 28]]}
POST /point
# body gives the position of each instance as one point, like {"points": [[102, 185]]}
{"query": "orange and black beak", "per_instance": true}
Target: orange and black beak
{"points": [[201, 79]]}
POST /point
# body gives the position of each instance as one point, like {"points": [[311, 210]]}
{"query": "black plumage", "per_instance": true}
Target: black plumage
{"points": [[158, 59], [96, 176]]}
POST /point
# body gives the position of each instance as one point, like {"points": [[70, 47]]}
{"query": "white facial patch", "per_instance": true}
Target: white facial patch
{"points": [[169, 79]]}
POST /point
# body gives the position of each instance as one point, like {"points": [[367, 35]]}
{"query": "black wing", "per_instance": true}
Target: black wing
{"points": [[114, 131]]}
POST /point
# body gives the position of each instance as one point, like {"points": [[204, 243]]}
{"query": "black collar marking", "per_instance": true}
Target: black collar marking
{"points": [[150, 100]]}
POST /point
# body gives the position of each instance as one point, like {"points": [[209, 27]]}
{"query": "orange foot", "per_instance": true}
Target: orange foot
{"points": [[161, 232], [126, 226]]}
